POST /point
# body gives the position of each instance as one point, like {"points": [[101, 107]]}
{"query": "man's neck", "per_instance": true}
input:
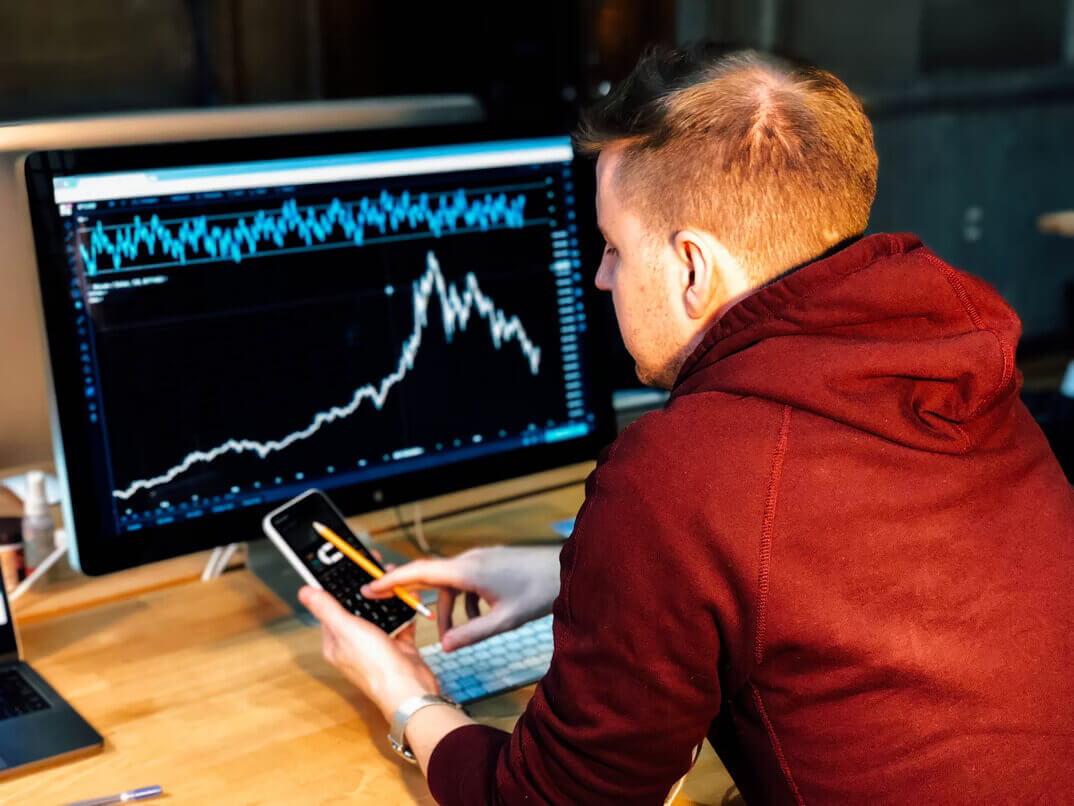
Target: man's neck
{"points": [[692, 345], [831, 250]]}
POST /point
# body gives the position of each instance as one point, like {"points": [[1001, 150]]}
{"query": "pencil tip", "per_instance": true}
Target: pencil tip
{"points": [[421, 608]]}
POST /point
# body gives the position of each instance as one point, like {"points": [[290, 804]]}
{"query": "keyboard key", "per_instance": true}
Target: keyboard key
{"points": [[17, 696]]}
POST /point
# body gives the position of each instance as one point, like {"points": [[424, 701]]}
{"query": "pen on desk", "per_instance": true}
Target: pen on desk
{"points": [[368, 567], [144, 793]]}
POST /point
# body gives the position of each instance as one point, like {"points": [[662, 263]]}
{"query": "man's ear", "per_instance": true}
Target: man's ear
{"points": [[700, 279]]}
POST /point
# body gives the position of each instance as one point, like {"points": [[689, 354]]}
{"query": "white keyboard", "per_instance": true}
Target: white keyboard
{"points": [[500, 663]]}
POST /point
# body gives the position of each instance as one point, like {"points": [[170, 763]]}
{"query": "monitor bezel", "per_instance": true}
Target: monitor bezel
{"points": [[97, 553]]}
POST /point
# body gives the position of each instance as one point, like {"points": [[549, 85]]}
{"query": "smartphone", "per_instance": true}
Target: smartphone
{"points": [[323, 566]]}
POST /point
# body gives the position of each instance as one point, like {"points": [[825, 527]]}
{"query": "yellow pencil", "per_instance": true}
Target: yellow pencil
{"points": [[367, 566]]}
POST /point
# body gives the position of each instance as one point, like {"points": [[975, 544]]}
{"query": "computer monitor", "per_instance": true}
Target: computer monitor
{"points": [[25, 434], [386, 315]]}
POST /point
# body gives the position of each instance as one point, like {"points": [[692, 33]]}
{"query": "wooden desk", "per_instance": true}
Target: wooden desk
{"points": [[219, 694]]}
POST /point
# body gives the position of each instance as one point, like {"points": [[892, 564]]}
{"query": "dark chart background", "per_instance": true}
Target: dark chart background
{"points": [[189, 357]]}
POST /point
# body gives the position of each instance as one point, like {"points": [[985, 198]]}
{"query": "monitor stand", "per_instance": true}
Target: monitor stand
{"points": [[267, 564]]}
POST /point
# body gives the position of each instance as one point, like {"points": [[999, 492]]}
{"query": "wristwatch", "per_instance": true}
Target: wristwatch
{"points": [[397, 734]]}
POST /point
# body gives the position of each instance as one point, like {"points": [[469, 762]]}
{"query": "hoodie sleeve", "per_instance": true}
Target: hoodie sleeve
{"points": [[633, 685]]}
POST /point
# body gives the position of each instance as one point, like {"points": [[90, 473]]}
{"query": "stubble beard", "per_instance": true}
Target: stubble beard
{"points": [[664, 377]]}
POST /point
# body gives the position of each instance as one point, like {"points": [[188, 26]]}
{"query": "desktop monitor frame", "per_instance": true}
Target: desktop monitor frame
{"points": [[96, 552]]}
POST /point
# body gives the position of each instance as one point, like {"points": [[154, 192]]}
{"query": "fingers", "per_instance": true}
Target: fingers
{"points": [[419, 573], [406, 635], [445, 604], [320, 604], [329, 644], [323, 606], [471, 632], [370, 593]]}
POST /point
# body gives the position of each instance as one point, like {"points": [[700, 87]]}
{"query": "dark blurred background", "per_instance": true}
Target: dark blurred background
{"points": [[972, 101]]}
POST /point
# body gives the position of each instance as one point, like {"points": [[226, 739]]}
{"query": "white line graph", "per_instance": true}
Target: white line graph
{"points": [[456, 309]]}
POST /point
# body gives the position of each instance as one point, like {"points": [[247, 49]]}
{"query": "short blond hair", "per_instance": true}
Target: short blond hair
{"points": [[776, 161]]}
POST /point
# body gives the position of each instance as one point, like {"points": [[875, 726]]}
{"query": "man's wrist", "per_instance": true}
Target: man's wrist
{"points": [[429, 726], [410, 708], [393, 699], [428, 714]]}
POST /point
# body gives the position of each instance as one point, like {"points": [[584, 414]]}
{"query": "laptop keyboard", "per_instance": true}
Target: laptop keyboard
{"points": [[500, 663], [17, 696]]}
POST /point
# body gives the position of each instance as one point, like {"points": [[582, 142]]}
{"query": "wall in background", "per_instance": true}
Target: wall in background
{"points": [[971, 184], [972, 102], [68, 57], [61, 57]]}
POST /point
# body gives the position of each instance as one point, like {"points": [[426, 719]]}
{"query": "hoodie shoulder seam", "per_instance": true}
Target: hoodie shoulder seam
{"points": [[1005, 348]]}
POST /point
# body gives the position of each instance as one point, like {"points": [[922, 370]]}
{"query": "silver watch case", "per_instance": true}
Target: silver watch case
{"points": [[397, 733]]}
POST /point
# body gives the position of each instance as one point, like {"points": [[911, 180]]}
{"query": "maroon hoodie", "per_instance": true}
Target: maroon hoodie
{"points": [[843, 551]]}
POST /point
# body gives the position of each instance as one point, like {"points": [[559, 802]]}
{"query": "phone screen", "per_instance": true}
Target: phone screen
{"points": [[335, 572]]}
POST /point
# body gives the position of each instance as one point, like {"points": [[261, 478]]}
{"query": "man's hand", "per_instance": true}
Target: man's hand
{"points": [[519, 584], [387, 670]]}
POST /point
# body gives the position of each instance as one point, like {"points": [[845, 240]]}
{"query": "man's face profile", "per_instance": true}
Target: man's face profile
{"points": [[631, 269]]}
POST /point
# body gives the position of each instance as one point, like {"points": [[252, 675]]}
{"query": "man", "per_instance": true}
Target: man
{"points": [[842, 551]]}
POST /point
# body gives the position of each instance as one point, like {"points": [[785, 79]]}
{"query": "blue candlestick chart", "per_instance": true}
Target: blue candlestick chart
{"points": [[177, 242], [456, 310]]}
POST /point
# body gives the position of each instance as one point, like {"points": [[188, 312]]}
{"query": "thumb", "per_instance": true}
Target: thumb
{"points": [[406, 635], [323, 606], [471, 632]]}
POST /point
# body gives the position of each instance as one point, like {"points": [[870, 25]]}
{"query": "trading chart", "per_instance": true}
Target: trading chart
{"points": [[244, 334]]}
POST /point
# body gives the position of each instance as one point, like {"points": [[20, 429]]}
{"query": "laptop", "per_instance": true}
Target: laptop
{"points": [[36, 724]]}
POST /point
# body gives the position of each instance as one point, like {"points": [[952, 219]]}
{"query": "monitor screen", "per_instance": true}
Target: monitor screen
{"points": [[385, 324]]}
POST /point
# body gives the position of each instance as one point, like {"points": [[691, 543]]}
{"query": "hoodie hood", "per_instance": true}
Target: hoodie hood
{"points": [[882, 336]]}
